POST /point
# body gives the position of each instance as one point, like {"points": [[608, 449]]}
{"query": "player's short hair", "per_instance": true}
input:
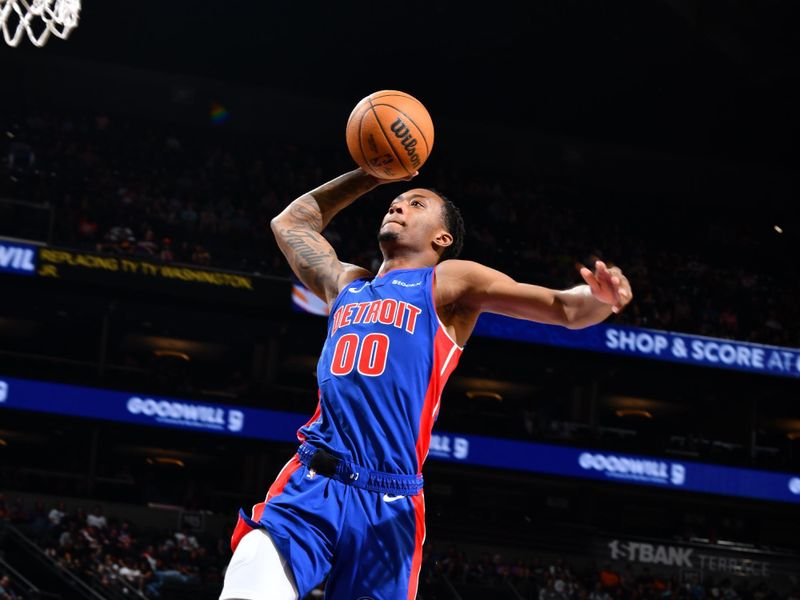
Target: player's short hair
{"points": [[454, 223]]}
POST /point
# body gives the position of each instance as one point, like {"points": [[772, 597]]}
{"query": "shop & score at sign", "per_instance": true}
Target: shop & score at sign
{"points": [[649, 343]]}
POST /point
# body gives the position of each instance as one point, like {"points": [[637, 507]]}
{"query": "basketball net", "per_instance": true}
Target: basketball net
{"points": [[38, 18]]}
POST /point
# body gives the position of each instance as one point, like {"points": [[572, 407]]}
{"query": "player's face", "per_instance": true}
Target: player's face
{"points": [[414, 219]]}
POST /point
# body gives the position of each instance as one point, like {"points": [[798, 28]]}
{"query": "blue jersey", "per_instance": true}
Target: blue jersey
{"points": [[381, 373]]}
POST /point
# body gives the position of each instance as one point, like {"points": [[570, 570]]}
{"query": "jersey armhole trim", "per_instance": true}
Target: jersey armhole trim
{"points": [[343, 290], [435, 312]]}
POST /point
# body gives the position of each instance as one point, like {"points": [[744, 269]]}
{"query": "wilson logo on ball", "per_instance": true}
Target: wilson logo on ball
{"points": [[402, 132]]}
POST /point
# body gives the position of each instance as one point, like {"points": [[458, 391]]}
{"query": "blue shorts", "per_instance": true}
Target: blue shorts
{"points": [[368, 543]]}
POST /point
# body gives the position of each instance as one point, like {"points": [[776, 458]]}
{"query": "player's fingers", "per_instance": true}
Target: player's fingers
{"points": [[615, 287], [624, 286], [587, 275], [602, 272], [589, 278]]}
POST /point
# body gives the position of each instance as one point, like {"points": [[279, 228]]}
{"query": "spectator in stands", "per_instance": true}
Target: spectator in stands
{"points": [[131, 572], [553, 590], [166, 254], [147, 246], [727, 590], [208, 221], [185, 540], [6, 593], [189, 216], [87, 228], [609, 578], [117, 240], [17, 513], [96, 518], [599, 592], [201, 256]]}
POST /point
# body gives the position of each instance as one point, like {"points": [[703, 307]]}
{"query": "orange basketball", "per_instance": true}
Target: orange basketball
{"points": [[390, 134]]}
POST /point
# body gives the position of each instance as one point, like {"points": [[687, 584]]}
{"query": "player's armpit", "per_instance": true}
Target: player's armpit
{"points": [[352, 272], [475, 287]]}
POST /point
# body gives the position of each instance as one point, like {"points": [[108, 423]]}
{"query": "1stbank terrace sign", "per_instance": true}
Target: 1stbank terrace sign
{"points": [[686, 558], [634, 468], [184, 414], [17, 258]]}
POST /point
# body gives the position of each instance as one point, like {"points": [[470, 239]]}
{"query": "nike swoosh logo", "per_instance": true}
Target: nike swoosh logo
{"points": [[388, 498]]}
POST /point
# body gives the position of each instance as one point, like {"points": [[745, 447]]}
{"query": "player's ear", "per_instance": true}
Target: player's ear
{"points": [[443, 240]]}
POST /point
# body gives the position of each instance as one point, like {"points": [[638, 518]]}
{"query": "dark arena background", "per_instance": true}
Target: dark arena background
{"points": [[157, 357]]}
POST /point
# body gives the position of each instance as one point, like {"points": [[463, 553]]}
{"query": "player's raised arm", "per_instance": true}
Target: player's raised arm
{"points": [[298, 231], [477, 288]]}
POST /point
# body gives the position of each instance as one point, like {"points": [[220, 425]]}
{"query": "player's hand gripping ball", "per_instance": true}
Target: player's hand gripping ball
{"points": [[390, 134]]}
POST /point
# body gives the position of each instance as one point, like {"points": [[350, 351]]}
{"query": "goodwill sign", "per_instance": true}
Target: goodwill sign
{"points": [[502, 453]]}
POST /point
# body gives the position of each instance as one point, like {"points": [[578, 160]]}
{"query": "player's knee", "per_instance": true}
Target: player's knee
{"points": [[257, 571]]}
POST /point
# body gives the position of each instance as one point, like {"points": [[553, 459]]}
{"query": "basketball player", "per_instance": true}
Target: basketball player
{"points": [[349, 504]]}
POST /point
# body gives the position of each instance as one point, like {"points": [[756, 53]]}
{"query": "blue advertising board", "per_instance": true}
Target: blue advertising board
{"points": [[469, 449], [17, 257], [649, 343]]}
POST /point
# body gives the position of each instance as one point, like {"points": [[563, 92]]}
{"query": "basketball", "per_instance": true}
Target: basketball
{"points": [[390, 134]]}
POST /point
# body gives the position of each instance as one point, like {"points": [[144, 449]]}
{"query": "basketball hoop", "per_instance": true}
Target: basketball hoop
{"points": [[58, 17]]}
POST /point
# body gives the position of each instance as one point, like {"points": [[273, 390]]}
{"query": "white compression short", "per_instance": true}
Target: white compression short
{"points": [[257, 571]]}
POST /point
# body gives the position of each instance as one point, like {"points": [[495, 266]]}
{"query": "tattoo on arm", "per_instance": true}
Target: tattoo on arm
{"points": [[306, 210], [312, 258], [298, 231]]}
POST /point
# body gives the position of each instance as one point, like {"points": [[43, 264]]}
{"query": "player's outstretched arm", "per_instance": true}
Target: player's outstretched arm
{"points": [[477, 288], [298, 231]]}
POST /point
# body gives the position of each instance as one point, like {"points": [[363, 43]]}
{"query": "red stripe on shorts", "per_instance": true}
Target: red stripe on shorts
{"points": [[419, 539], [242, 527]]}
